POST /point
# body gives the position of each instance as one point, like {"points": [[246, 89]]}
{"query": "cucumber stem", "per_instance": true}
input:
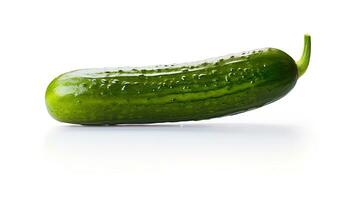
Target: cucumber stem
{"points": [[303, 63]]}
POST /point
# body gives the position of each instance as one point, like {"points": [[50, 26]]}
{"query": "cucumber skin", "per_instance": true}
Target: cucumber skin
{"points": [[224, 86]]}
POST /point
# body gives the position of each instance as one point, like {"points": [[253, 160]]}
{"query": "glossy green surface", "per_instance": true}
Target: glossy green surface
{"points": [[169, 93]]}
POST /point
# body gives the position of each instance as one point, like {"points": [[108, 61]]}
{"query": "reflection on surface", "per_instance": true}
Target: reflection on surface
{"points": [[173, 145]]}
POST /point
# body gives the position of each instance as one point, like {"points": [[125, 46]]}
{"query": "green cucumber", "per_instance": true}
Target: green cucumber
{"points": [[169, 93]]}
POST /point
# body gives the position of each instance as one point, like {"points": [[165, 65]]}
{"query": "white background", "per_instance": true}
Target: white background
{"points": [[300, 147]]}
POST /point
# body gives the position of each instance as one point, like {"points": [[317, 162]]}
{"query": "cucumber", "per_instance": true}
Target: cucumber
{"points": [[180, 92]]}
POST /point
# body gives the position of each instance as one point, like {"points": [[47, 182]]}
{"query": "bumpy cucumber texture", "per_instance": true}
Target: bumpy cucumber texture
{"points": [[180, 92]]}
